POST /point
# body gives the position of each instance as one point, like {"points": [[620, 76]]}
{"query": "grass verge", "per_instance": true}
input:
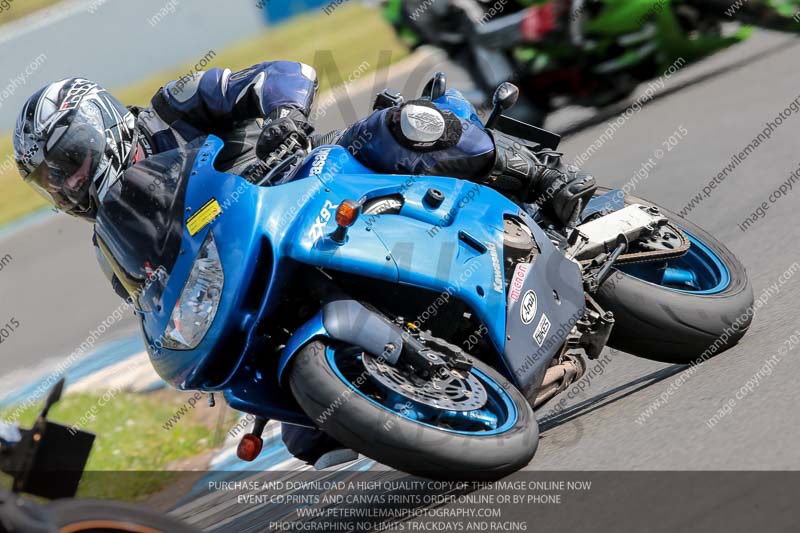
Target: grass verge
{"points": [[132, 440], [351, 37], [14, 9]]}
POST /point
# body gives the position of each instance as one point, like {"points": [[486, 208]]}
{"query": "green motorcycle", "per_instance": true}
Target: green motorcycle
{"points": [[581, 52]]}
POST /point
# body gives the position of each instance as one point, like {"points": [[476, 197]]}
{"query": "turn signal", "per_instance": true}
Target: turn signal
{"points": [[346, 215], [249, 447]]}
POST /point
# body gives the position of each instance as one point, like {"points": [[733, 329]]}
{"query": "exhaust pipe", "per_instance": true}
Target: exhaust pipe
{"points": [[557, 379]]}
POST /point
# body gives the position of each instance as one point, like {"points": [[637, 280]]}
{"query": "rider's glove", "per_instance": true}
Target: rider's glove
{"points": [[293, 114], [283, 128]]}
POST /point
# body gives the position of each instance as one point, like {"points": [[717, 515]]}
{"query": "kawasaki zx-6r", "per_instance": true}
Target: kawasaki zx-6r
{"points": [[418, 320]]}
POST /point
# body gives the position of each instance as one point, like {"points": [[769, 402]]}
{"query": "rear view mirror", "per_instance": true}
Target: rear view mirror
{"points": [[504, 98]]}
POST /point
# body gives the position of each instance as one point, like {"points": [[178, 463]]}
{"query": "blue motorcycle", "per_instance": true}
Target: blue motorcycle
{"points": [[418, 320]]}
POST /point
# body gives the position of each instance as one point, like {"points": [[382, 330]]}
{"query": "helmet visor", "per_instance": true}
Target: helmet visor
{"points": [[73, 162]]}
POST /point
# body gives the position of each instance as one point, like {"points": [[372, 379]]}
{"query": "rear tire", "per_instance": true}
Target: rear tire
{"points": [[408, 445], [665, 325]]}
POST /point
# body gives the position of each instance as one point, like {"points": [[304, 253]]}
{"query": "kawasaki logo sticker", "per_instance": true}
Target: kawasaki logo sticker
{"points": [[498, 274]]}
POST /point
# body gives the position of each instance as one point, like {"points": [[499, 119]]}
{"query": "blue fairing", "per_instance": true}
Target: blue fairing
{"points": [[263, 233], [454, 101]]}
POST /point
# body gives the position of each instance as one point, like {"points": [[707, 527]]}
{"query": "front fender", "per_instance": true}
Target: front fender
{"points": [[347, 321]]}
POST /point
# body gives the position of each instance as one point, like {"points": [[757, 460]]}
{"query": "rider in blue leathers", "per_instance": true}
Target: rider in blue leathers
{"points": [[73, 141]]}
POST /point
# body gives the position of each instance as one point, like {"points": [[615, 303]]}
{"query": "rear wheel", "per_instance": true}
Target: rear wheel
{"points": [[471, 426], [683, 309]]}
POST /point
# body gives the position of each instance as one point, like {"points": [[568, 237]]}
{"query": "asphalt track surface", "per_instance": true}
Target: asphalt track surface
{"points": [[53, 288]]}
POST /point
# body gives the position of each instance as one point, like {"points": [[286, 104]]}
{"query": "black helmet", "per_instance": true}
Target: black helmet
{"points": [[73, 140]]}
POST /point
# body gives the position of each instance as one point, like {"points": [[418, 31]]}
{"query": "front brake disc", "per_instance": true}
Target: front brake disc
{"points": [[455, 392]]}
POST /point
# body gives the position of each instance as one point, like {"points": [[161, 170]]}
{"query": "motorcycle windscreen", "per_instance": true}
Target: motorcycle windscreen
{"points": [[140, 222]]}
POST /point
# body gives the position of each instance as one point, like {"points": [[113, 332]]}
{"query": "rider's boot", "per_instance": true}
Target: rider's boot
{"points": [[540, 178]]}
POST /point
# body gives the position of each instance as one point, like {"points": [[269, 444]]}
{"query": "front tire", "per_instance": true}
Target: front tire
{"points": [[95, 516], [394, 439], [670, 325]]}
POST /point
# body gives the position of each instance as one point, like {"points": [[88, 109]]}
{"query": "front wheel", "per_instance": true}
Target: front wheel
{"points": [[471, 426], [94, 516], [679, 310]]}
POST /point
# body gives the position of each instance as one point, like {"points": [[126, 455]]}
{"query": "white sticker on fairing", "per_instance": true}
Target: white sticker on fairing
{"points": [[527, 309], [541, 330], [517, 282]]}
